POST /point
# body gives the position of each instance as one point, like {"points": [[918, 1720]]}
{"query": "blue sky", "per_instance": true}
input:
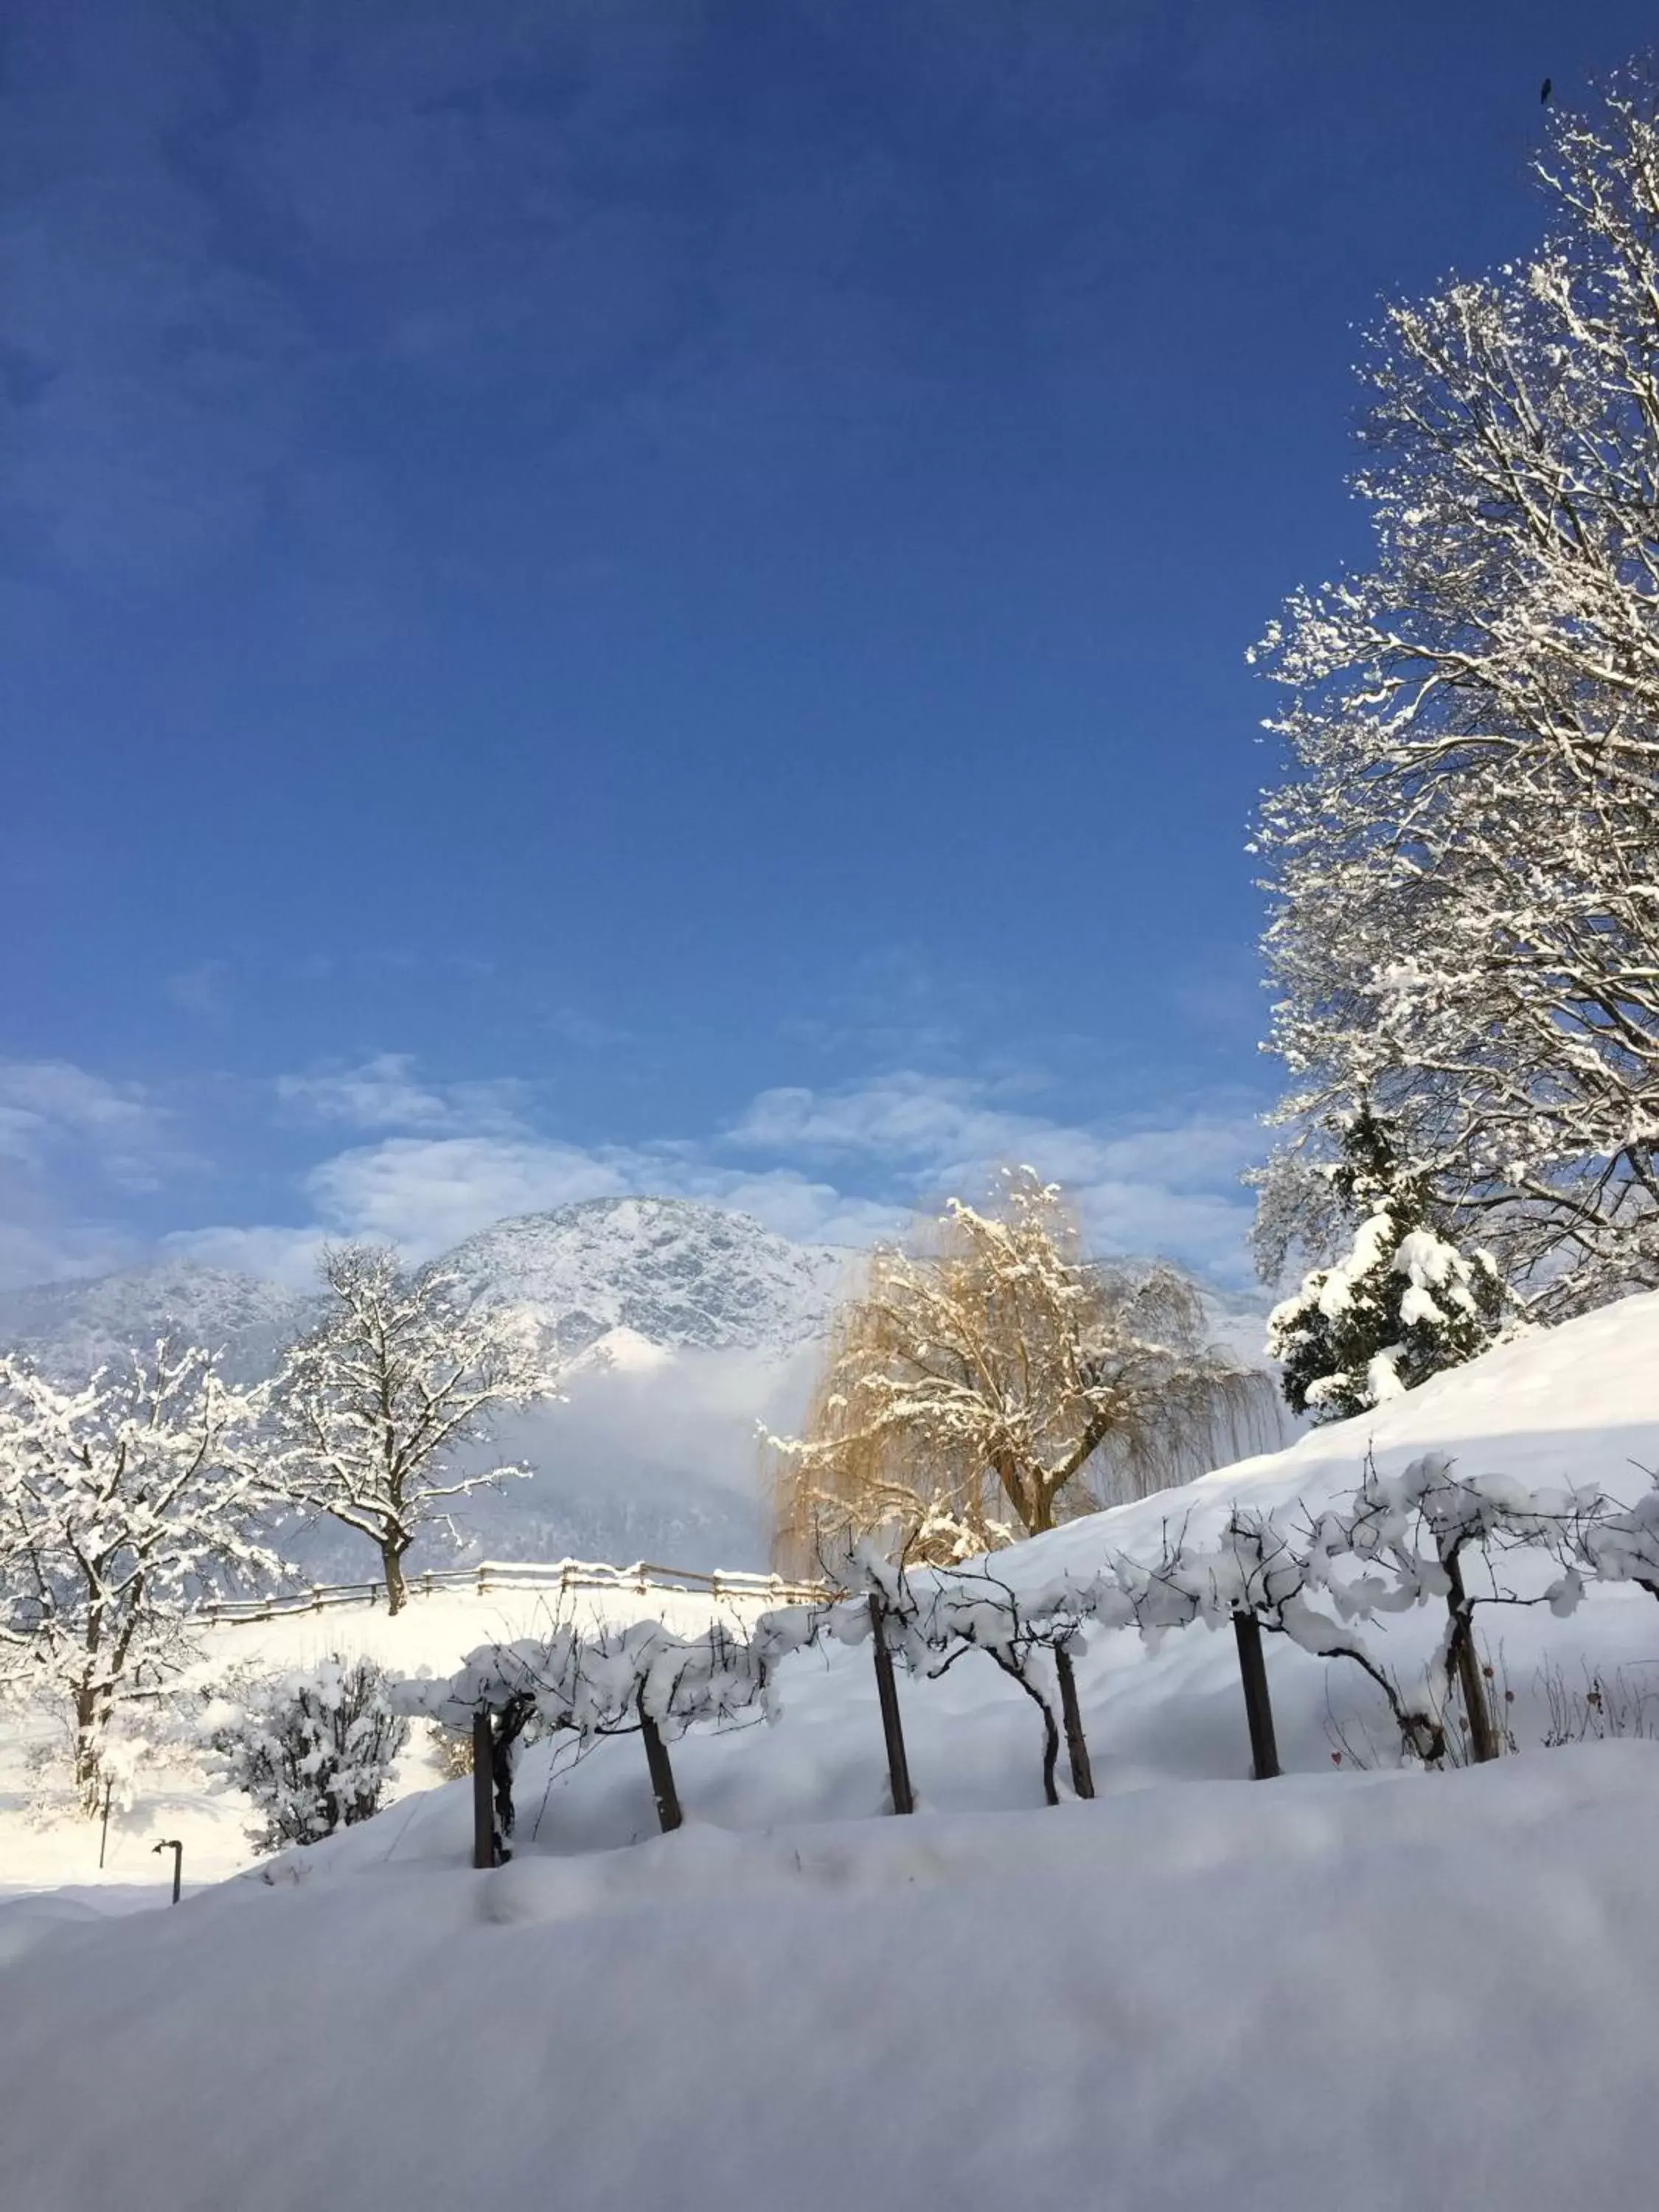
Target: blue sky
{"points": [[626, 596]]}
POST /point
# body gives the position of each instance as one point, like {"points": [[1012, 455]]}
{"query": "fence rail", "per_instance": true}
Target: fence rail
{"points": [[560, 1578]]}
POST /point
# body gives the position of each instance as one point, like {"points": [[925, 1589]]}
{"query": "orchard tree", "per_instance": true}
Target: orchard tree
{"points": [[1466, 907], [988, 1379], [121, 1502], [1401, 1304], [402, 1376]]}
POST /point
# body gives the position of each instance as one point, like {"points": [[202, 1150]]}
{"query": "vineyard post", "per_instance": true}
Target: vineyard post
{"points": [[898, 1768], [483, 1790], [661, 1770], [1258, 1706]]}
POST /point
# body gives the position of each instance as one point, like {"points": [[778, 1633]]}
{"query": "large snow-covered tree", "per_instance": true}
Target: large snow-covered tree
{"points": [[1401, 1303], [1466, 920], [374, 1407], [989, 1378], [121, 1502]]}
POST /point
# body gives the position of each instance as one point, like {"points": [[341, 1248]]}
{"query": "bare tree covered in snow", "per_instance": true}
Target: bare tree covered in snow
{"points": [[1466, 927], [120, 1502], [989, 1378], [402, 1376]]}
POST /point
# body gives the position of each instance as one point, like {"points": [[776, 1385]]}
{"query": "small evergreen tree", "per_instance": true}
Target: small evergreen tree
{"points": [[1403, 1304]]}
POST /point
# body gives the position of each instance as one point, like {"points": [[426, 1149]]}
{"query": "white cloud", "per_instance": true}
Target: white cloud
{"points": [[199, 990], [426, 1192], [383, 1093], [441, 1160], [287, 1256], [1168, 1188], [903, 1116], [45, 1103], [73, 1146]]}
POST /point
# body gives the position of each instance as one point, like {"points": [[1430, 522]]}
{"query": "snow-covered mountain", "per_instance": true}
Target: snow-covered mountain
{"points": [[71, 1328], [649, 1274], [668, 1272]]}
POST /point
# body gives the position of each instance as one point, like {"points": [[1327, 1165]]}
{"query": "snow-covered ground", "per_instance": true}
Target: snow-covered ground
{"points": [[1359, 1988]]}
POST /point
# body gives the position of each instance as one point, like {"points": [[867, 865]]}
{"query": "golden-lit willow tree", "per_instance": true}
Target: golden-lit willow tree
{"points": [[987, 1380]]}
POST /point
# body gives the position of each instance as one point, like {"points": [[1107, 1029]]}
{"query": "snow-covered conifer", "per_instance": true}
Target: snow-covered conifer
{"points": [[121, 1501], [373, 1407], [1401, 1304], [1465, 925]]}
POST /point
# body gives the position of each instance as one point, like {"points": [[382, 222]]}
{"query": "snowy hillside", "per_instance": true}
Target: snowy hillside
{"points": [[1199, 1993]]}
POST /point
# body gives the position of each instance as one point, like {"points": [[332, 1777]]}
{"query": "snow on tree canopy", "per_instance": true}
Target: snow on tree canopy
{"points": [[1466, 910]]}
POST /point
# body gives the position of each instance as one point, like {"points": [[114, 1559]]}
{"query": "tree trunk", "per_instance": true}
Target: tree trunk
{"points": [[1082, 1778], [1258, 1706], [89, 1729], [397, 1591], [1483, 1737], [892, 1729]]}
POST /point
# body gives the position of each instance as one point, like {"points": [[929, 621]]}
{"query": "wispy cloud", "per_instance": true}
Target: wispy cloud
{"points": [[1169, 1187], [384, 1093], [75, 1150], [430, 1162], [200, 989]]}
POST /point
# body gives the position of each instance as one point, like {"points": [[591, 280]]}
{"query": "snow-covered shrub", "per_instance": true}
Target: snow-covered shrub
{"points": [[313, 1750], [1401, 1304]]}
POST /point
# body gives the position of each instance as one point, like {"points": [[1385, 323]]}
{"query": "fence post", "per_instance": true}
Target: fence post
{"points": [[484, 1789], [1083, 1776], [898, 1768], [662, 1773], [1258, 1706]]}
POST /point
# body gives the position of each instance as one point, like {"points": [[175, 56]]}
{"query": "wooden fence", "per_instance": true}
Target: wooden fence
{"points": [[556, 1580]]}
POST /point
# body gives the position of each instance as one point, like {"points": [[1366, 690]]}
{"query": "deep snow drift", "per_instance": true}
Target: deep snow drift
{"points": [[1351, 1989]]}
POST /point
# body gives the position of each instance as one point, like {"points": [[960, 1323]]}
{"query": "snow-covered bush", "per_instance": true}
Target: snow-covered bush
{"points": [[1401, 1304], [314, 1750]]}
